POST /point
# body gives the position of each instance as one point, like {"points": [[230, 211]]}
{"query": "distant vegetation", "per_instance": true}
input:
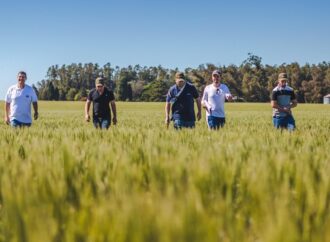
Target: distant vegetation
{"points": [[251, 81]]}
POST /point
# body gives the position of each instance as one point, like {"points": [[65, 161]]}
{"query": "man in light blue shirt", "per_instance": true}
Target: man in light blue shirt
{"points": [[18, 103], [213, 101]]}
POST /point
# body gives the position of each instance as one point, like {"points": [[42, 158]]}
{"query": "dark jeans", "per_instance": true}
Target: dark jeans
{"points": [[286, 122], [215, 122], [17, 124], [179, 124], [102, 123]]}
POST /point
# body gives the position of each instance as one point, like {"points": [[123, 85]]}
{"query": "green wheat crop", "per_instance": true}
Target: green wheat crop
{"points": [[62, 181]]}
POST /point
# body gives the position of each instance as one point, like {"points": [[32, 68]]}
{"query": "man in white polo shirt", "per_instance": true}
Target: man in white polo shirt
{"points": [[18, 103], [213, 101]]}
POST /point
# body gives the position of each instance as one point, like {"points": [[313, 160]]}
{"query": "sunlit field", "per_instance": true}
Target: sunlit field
{"points": [[62, 180]]}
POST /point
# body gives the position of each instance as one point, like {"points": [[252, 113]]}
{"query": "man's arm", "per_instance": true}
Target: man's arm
{"points": [[7, 112], [35, 108], [205, 103], [199, 107], [167, 113], [114, 112], [87, 107], [228, 95], [294, 103], [275, 105]]}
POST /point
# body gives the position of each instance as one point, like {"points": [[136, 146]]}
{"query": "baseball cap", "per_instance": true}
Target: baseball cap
{"points": [[216, 72], [179, 75], [282, 76], [99, 81]]}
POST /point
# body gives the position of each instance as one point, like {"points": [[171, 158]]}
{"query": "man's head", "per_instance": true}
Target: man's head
{"points": [[21, 77], [99, 83], [216, 77], [180, 79], [282, 79]]}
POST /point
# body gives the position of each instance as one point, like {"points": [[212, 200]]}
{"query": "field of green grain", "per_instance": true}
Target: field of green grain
{"points": [[63, 181]]}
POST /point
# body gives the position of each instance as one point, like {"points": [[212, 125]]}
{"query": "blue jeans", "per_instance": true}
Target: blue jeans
{"points": [[17, 124], [286, 122], [102, 123], [215, 122], [179, 124]]}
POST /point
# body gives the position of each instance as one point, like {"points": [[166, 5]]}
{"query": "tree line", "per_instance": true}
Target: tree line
{"points": [[251, 81]]}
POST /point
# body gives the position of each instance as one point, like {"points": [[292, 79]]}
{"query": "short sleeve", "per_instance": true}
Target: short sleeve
{"points": [[90, 96], [168, 96], [34, 96], [205, 98], [293, 95], [111, 96], [195, 92], [8, 96], [205, 94], [227, 90], [274, 96]]}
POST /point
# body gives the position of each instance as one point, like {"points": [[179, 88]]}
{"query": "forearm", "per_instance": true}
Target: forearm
{"points": [[286, 109], [204, 101], [279, 108], [7, 110], [199, 106], [293, 104], [114, 109], [35, 107], [87, 107], [167, 109], [275, 105], [205, 104]]}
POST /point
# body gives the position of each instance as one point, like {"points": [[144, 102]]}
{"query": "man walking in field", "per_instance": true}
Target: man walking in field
{"points": [[101, 97], [18, 103], [181, 98], [283, 99], [213, 101]]}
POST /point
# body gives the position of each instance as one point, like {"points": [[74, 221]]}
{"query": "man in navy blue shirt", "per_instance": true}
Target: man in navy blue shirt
{"points": [[181, 98]]}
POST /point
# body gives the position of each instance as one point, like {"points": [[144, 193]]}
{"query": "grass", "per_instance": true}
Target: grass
{"points": [[62, 180]]}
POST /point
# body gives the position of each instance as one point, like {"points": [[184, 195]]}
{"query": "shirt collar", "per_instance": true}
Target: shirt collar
{"points": [[179, 89]]}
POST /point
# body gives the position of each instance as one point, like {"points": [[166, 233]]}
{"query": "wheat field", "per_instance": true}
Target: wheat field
{"points": [[62, 180]]}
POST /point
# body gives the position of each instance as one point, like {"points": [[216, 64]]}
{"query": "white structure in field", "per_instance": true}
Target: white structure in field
{"points": [[326, 99]]}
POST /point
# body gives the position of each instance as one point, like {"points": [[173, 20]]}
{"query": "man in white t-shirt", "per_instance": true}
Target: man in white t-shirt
{"points": [[213, 101], [18, 103]]}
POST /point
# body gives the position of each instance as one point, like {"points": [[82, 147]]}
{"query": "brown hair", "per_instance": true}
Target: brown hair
{"points": [[23, 73]]}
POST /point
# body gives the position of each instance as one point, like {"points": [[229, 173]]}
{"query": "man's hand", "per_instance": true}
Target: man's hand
{"points": [[209, 110], [114, 120], [36, 115], [287, 110], [199, 115], [87, 118], [7, 120], [229, 97], [167, 121]]}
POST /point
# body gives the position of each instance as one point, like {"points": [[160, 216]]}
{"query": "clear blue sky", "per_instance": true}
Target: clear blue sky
{"points": [[174, 33]]}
